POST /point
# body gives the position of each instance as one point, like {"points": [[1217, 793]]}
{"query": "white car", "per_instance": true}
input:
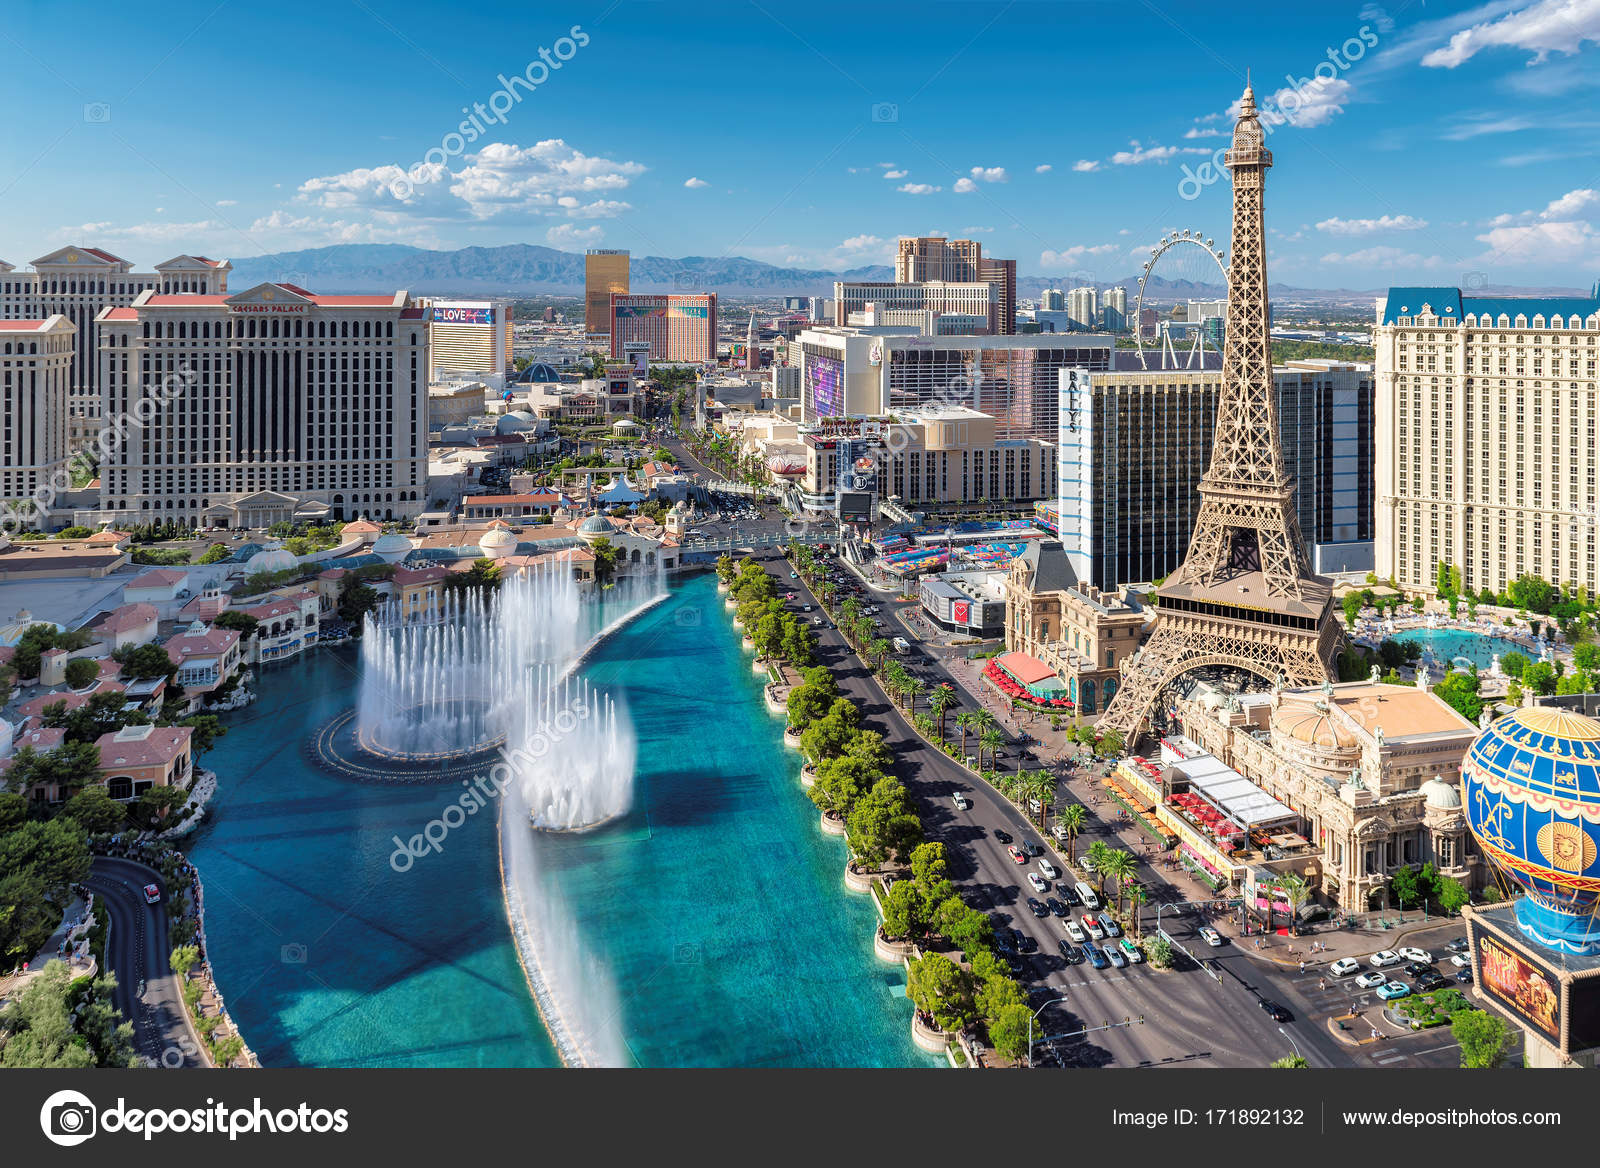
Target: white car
{"points": [[1060, 832], [1075, 931], [1210, 936], [1411, 953], [962, 802], [1371, 980], [1383, 959], [1040, 884], [1461, 960], [1344, 967], [1049, 870]]}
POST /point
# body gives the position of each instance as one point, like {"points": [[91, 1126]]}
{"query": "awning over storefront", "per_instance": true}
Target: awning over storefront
{"points": [[1027, 670], [1231, 793]]}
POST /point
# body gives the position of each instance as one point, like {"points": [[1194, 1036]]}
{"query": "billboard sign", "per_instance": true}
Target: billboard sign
{"points": [[461, 314], [1077, 492], [1520, 986], [689, 311], [638, 311], [961, 612]]}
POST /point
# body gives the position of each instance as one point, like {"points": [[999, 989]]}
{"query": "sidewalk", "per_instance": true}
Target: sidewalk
{"points": [[56, 948]]}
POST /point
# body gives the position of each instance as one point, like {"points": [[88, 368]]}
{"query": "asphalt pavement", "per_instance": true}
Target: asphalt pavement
{"points": [[147, 991]]}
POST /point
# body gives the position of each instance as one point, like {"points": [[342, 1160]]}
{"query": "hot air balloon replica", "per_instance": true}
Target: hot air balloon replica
{"points": [[1531, 794]]}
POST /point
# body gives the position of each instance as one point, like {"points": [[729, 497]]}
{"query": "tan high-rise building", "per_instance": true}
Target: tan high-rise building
{"points": [[1486, 445], [934, 257], [1003, 275], [605, 270]]}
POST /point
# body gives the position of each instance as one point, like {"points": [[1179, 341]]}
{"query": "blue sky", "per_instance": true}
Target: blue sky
{"points": [[1440, 138]]}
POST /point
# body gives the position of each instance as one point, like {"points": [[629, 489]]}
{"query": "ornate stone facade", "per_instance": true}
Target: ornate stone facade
{"points": [[1372, 801]]}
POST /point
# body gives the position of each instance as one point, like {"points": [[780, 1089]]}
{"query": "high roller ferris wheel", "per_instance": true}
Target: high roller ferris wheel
{"points": [[1187, 257]]}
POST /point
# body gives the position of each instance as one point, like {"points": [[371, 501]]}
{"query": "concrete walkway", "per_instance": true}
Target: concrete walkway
{"points": [[56, 948]]}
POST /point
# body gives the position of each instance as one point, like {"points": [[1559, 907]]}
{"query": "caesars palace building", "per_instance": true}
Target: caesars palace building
{"points": [[272, 405]]}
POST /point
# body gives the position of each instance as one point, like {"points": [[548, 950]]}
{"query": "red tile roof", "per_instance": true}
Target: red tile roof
{"points": [[142, 746], [127, 618], [159, 578], [103, 254], [211, 643]]}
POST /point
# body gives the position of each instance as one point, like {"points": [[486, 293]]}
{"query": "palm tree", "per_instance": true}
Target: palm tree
{"points": [[1042, 786], [1098, 851], [849, 612], [1297, 890], [878, 647], [1003, 781], [1071, 820], [1121, 867], [1138, 896], [940, 701], [915, 686], [994, 740], [966, 722]]}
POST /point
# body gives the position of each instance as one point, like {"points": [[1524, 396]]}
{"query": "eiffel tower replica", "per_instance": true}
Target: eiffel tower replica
{"points": [[1245, 596]]}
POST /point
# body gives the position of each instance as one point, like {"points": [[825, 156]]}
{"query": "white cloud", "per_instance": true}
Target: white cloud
{"points": [[571, 235], [148, 232], [501, 180], [886, 166], [918, 189], [1204, 132], [1071, 257], [1377, 16], [1042, 168], [1337, 226], [1140, 154], [895, 174], [1479, 125], [1573, 203], [227, 202], [978, 230], [964, 186], [1570, 243], [1559, 26], [856, 252], [1384, 257], [694, 184], [1085, 164], [1313, 104], [990, 174], [284, 231]]}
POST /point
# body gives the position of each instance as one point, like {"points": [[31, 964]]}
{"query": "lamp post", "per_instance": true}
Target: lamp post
{"points": [[1292, 1042], [1031, 1017]]}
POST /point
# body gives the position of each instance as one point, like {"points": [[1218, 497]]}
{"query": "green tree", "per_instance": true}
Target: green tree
{"points": [[1109, 744], [993, 740], [239, 621], [145, 662], [1289, 1062], [942, 989], [1484, 1038], [1008, 1032], [215, 554], [828, 736], [38, 1025], [1159, 952], [356, 599], [811, 699], [1540, 677], [72, 765], [883, 823], [1513, 664], [1072, 819], [81, 671], [903, 912], [183, 959], [972, 932], [1514, 693], [1532, 593], [38, 863], [1297, 892], [1460, 691], [1405, 885], [1451, 894], [205, 730], [841, 782], [96, 812], [13, 810], [155, 803], [1352, 608]]}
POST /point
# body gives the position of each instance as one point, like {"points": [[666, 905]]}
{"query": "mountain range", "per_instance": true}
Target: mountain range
{"points": [[523, 270]]}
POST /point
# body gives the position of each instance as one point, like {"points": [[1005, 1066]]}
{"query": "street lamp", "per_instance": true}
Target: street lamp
{"points": [[1292, 1042], [1031, 1017]]}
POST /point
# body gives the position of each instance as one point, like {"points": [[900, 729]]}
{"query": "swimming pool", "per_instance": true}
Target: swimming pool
{"points": [[1447, 645]]}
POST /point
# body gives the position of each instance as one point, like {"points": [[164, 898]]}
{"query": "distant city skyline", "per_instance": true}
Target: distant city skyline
{"points": [[1446, 144]]}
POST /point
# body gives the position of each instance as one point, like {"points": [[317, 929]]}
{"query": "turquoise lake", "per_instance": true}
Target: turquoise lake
{"points": [[717, 906]]}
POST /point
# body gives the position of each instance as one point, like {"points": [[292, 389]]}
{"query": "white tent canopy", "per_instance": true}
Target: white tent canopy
{"points": [[1231, 793]]}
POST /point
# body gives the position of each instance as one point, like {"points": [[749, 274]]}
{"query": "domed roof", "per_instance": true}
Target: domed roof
{"points": [[271, 560], [1440, 795], [1531, 789], [595, 525], [498, 542], [391, 545], [1312, 723], [515, 422]]}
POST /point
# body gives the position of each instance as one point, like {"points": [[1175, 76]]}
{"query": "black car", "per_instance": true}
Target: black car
{"points": [[1070, 952], [1018, 941], [1037, 907], [1032, 848], [1419, 969], [1431, 981], [1055, 906], [1274, 1011], [1003, 836], [1465, 976], [1069, 894], [1014, 963]]}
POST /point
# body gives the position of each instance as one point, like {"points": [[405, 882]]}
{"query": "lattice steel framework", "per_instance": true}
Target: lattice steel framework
{"points": [[1245, 596]]}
